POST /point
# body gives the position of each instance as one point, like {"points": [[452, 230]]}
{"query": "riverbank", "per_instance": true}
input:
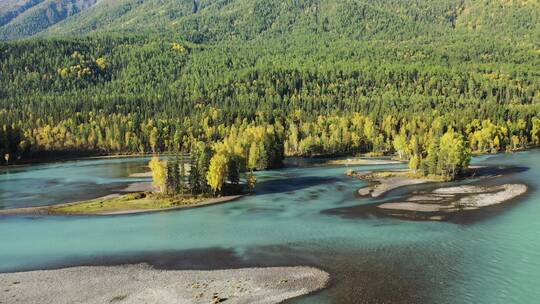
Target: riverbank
{"points": [[80, 157], [132, 203], [144, 284], [64, 157]]}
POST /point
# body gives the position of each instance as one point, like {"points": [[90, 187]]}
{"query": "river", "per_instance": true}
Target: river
{"points": [[493, 258]]}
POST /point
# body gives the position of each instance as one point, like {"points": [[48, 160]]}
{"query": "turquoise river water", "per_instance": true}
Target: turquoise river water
{"points": [[493, 257]]}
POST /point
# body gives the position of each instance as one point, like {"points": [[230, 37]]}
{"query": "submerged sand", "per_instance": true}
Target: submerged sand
{"points": [[144, 284], [140, 187], [491, 196], [142, 174], [391, 183], [363, 161]]}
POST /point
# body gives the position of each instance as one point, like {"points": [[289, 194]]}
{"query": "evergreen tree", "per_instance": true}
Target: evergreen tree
{"points": [[173, 177], [233, 170], [182, 176], [194, 175], [430, 163]]}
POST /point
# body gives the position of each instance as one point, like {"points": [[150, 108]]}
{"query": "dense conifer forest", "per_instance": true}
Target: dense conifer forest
{"points": [[257, 80]]}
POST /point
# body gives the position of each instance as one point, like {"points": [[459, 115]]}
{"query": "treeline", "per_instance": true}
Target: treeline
{"points": [[338, 134], [105, 133], [433, 144], [356, 133], [432, 147]]}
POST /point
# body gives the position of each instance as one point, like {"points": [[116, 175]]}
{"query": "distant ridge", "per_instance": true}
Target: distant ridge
{"points": [[24, 18], [216, 20]]}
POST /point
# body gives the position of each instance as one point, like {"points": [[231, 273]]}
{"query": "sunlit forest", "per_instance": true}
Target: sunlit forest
{"points": [[298, 78]]}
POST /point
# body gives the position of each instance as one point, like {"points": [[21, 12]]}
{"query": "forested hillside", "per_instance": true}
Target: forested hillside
{"points": [[206, 21], [306, 77], [216, 20]]}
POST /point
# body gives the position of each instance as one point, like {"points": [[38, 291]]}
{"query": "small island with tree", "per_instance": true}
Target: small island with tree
{"points": [[446, 159]]}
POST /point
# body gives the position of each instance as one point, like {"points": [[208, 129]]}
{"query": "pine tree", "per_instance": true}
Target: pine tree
{"points": [[431, 161], [194, 176], [233, 170], [173, 177], [182, 177], [203, 164]]}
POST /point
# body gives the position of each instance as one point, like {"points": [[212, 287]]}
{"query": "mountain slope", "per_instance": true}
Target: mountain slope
{"points": [[23, 18], [513, 17], [212, 20], [10, 9], [203, 21]]}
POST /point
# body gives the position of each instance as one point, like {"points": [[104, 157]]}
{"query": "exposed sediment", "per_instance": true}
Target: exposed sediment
{"points": [[439, 203], [383, 182], [442, 202], [144, 284], [142, 175]]}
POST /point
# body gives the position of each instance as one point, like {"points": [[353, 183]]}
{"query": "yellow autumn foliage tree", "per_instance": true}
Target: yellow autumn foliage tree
{"points": [[159, 173], [217, 172]]}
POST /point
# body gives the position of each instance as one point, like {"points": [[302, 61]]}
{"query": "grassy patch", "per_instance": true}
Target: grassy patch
{"points": [[128, 202]]}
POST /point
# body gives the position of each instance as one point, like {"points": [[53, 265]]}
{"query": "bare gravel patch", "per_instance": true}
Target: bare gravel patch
{"points": [[144, 284]]}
